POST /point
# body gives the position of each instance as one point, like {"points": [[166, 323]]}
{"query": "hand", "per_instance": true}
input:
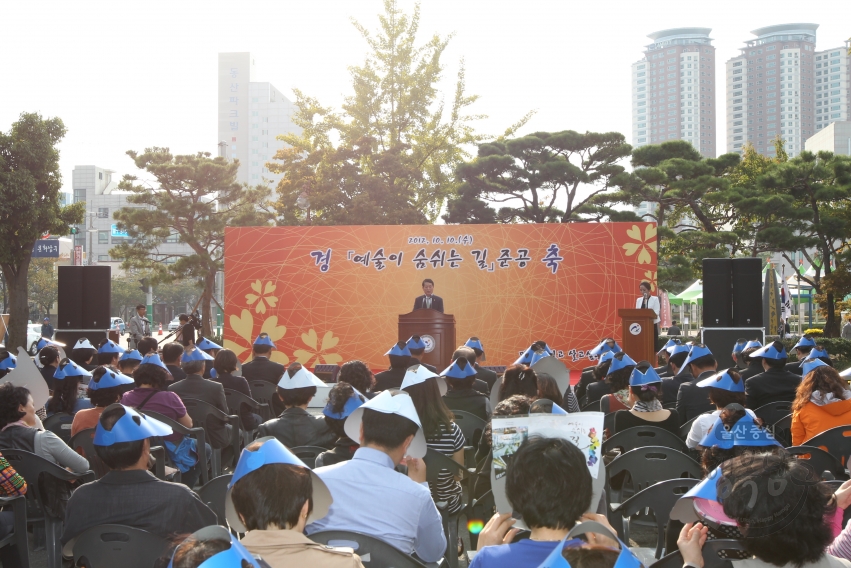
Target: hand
{"points": [[416, 469], [843, 495], [497, 531], [691, 541], [597, 539]]}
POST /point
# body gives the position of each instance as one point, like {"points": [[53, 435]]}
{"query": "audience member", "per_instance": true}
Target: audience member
{"points": [[518, 379], [173, 358], [734, 433], [691, 399], [83, 353], [147, 346], [273, 496], [613, 393], [606, 346], [678, 373], [68, 377], [295, 427], [400, 359], [11, 485], [461, 396], [129, 361], [802, 349], [823, 402], [548, 388], [753, 364], [486, 375], [194, 386], [129, 494], [357, 374], [225, 364], [736, 354], [392, 507], [597, 374], [645, 394], [109, 353], [470, 355], [725, 388], [417, 347], [48, 356], [820, 353], [212, 349], [105, 387], [776, 384], [343, 399], [664, 370], [261, 367], [213, 547]]}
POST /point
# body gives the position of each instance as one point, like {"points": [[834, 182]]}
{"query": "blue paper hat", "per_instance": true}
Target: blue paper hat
{"points": [[459, 369], [131, 427], [84, 343], [669, 344], [353, 403], [538, 355], [153, 359], [415, 342], [618, 364], [556, 559], [607, 356], [740, 346], [808, 366], [707, 490], [197, 355], [264, 339], [805, 341], [637, 378], [399, 349], [68, 368], [770, 351], [525, 357], [696, 352], [546, 347], [603, 346], [723, 381], [476, 344], [131, 356], [679, 348], [213, 373], [206, 344], [558, 410], [44, 342], [228, 558], [745, 432], [272, 451], [752, 343], [817, 352], [111, 347], [8, 362], [110, 379]]}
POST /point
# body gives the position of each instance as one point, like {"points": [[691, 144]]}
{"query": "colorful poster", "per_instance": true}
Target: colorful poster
{"points": [[327, 295]]}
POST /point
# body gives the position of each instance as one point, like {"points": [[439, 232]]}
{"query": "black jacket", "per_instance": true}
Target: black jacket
{"points": [[671, 386], [239, 384], [177, 373], [196, 386], [664, 370], [415, 361], [436, 303], [389, 379], [752, 370], [693, 400], [47, 372], [295, 427], [580, 390], [774, 385], [469, 400], [596, 391], [794, 368], [261, 368], [486, 375]]}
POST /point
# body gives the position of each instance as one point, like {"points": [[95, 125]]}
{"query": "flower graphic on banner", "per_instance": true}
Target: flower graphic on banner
{"points": [[650, 276], [328, 342], [262, 296], [643, 246], [243, 326]]}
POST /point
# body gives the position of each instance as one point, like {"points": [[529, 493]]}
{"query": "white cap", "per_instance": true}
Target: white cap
{"points": [[388, 403], [419, 374], [303, 378]]}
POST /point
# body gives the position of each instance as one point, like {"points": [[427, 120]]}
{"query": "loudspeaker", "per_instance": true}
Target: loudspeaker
{"points": [[717, 292], [747, 292], [96, 297], [70, 300], [721, 341]]}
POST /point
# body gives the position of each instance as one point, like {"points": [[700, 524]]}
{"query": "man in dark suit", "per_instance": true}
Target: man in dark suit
{"points": [[802, 349], [172, 352], [486, 375], [693, 400], [261, 367], [428, 300], [665, 355], [417, 347], [470, 355], [680, 374], [197, 387], [462, 394], [400, 360], [753, 364], [776, 384]]}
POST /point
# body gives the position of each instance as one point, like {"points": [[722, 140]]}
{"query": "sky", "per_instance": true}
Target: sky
{"points": [[130, 75]]}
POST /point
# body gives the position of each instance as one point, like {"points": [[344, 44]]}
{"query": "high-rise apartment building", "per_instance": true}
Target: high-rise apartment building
{"points": [[251, 115], [673, 90], [833, 86]]}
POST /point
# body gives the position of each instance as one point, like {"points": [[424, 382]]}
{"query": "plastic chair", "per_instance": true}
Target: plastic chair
{"points": [[266, 392], [31, 466], [18, 537], [376, 552], [201, 412], [495, 391], [82, 443], [782, 430], [686, 428], [659, 497], [592, 407], [820, 460], [236, 400], [195, 432], [836, 441], [471, 426], [641, 436], [213, 495], [435, 463], [481, 509], [710, 555], [308, 454], [773, 411], [60, 424], [118, 545]]}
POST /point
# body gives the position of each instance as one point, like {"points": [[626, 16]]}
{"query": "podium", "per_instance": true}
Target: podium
{"points": [[437, 331], [637, 334]]}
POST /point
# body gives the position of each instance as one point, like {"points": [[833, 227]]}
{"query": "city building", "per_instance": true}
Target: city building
{"points": [[835, 137], [833, 91], [673, 90], [251, 115]]}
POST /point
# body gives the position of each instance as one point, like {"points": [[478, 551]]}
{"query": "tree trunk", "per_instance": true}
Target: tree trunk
{"points": [[16, 283], [206, 300], [831, 325]]}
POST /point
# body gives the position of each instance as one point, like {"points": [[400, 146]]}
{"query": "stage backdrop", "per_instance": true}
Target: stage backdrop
{"points": [[333, 294]]}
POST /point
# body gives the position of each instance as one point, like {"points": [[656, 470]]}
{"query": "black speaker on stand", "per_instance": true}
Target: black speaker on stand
{"points": [[84, 304], [747, 292], [717, 292]]}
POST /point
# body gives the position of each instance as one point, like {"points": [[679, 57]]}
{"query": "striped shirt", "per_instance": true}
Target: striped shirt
{"points": [[446, 488], [11, 482]]}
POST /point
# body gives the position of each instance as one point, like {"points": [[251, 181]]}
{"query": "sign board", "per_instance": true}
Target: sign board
{"points": [[46, 248], [117, 233], [78, 255]]}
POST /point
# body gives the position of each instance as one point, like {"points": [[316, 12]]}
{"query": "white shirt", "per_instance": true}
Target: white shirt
{"points": [[702, 425], [652, 304]]}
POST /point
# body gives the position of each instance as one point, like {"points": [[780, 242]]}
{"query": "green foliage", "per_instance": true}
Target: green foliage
{"points": [[43, 284], [538, 177], [30, 183], [195, 198]]}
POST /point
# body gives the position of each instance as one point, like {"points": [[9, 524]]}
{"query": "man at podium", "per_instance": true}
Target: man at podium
{"points": [[647, 302], [428, 301]]}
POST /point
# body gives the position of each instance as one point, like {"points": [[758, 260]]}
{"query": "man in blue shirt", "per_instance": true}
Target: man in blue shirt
{"points": [[370, 496]]}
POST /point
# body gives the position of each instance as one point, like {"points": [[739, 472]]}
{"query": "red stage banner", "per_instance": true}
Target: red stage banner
{"points": [[334, 294]]}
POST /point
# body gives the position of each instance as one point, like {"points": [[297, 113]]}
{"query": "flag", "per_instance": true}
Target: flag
{"points": [[664, 309], [785, 296], [771, 302]]}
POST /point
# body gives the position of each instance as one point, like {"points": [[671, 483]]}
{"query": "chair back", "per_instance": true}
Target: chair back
{"points": [[651, 464], [308, 454], [435, 462], [83, 444], [213, 495], [782, 430], [195, 432], [711, 559], [377, 553], [641, 436], [471, 426], [263, 391], [60, 424], [836, 441], [592, 407], [495, 391], [236, 400], [686, 428], [819, 460], [18, 537], [773, 411], [118, 545]]}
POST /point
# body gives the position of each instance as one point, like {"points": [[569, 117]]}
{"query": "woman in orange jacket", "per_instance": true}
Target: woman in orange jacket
{"points": [[823, 402]]}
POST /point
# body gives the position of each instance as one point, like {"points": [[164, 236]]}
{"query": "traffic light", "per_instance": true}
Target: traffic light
{"points": [[74, 230], [144, 286]]}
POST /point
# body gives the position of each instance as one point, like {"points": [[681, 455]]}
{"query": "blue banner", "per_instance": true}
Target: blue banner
{"points": [[117, 233]]}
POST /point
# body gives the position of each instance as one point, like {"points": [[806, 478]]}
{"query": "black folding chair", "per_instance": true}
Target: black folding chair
{"points": [[203, 414], [195, 432], [31, 466], [18, 537], [60, 424], [481, 509], [213, 495], [380, 554], [436, 463], [711, 558], [660, 497], [592, 407], [236, 400], [472, 427], [819, 460], [266, 392], [82, 443], [118, 545], [494, 397], [686, 428], [308, 454], [773, 411], [641, 436], [782, 430], [836, 441]]}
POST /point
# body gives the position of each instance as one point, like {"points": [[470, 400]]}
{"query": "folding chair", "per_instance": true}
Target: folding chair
{"points": [[494, 398], [472, 427], [18, 537], [836, 441], [118, 545], [60, 424], [213, 495], [376, 552], [819, 460], [236, 400], [195, 432], [435, 463], [686, 428], [773, 411], [202, 413], [592, 407], [308, 454], [641, 436], [82, 443], [266, 392], [782, 430]]}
